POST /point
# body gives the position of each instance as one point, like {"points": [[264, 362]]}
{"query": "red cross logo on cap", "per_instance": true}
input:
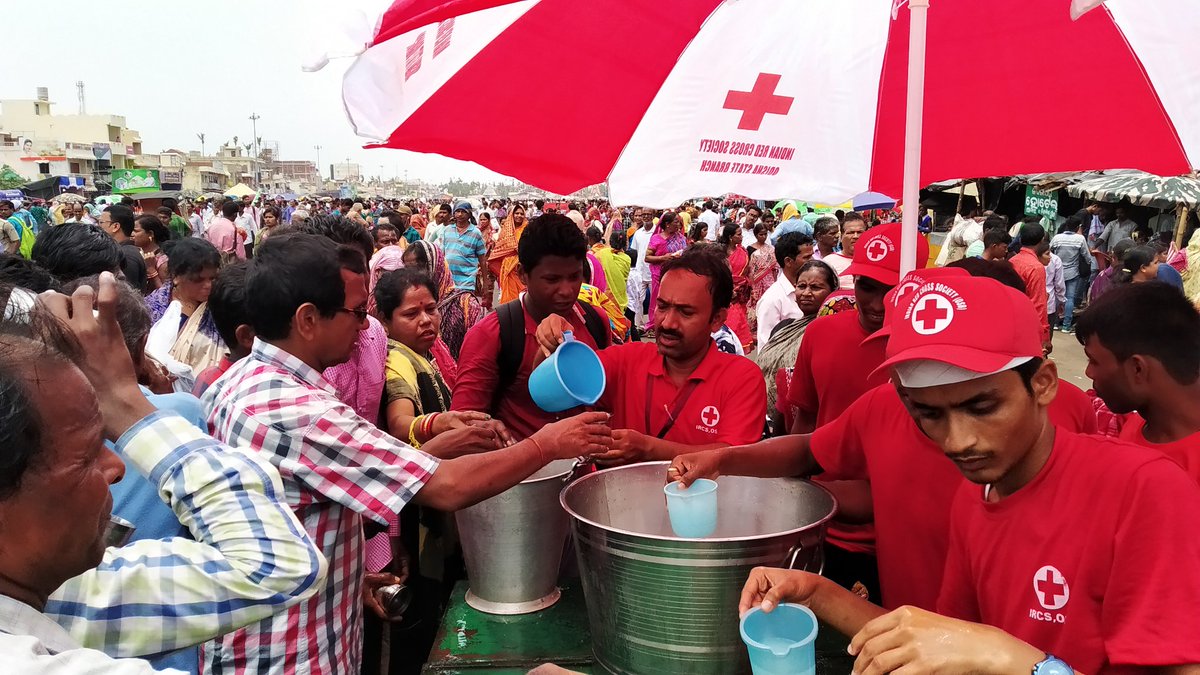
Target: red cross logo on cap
{"points": [[932, 314], [758, 102], [710, 416], [1051, 588], [876, 250]]}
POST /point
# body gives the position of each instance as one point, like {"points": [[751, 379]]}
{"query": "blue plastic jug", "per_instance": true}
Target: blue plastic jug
{"points": [[572, 376], [782, 641]]}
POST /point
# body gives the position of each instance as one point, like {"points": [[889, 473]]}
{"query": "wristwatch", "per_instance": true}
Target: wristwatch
{"points": [[1052, 665]]}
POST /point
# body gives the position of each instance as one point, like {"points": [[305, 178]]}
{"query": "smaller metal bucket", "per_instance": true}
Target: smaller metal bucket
{"points": [[513, 544]]}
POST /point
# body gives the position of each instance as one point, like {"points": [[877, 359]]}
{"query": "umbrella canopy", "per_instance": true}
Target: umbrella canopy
{"points": [[691, 109], [240, 190], [1139, 188], [69, 198]]}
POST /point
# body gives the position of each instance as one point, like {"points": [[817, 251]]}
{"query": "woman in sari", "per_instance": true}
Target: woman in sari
{"points": [[502, 261], [730, 238], [668, 242], [813, 285], [763, 268], [459, 309], [149, 234], [183, 325]]}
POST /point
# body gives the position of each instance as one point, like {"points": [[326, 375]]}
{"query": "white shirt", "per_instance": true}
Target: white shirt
{"points": [[775, 305], [640, 242], [713, 221], [433, 232], [839, 262]]}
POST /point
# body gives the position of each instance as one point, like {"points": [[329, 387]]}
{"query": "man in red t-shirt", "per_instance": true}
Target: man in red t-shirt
{"points": [[551, 255], [831, 372], [1060, 544], [1033, 273], [681, 393], [1143, 347]]}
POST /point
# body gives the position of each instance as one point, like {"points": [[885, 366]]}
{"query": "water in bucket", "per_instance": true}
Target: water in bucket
{"points": [[693, 511], [782, 641], [572, 376]]}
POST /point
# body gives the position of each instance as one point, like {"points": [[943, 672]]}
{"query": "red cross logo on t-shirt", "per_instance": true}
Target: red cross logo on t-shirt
{"points": [[1051, 588], [758, 102], [932, 314], [710, 416], [876, 250]]}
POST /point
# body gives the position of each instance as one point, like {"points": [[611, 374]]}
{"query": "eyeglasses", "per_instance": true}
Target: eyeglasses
{"points": [[359, 313]]}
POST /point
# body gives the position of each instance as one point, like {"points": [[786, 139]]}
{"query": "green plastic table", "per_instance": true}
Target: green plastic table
{"points": [[470, 642]]}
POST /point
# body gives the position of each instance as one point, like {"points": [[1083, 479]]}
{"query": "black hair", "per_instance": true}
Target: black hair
{"points": [[1071, 224], [550, 234], [422, 258], [227, 301], [396, 220], [594, 235], [1137, 258], [288, 271], [132, 315], [995, 222], [230, 209], [274, 211], [386, 226], [788, 246], [79, 250], [1042, 247], [697, 231], [341, 230], [8, 203], [852, 216], [394, 285], [759, 228], [831, 277], [1000, 270], [996, 236], [164, 211], [122, 215], [1153, 319], [1027, 370], [1031, 234], [154, 227], [190, 255], [617, 240], [703, 261], [26, 274], [726, 234]]}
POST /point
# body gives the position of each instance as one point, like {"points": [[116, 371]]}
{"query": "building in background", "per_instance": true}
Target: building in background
{"points": [[37, 143], [347, 171]]}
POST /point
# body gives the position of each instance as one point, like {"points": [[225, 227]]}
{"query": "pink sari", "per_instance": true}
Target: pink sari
{"points": [[761, 273]]}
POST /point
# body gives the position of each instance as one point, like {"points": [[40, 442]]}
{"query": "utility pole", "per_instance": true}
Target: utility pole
{"points": [[201, 137], [320, 172], [254, 117]]}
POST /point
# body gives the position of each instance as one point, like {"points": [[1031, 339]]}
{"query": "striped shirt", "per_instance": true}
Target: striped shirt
{"points": [[337, 469], [463, 250], [249, 559]]}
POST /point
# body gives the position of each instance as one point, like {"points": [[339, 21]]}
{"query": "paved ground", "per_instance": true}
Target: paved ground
{"points": [[1068, 354]]}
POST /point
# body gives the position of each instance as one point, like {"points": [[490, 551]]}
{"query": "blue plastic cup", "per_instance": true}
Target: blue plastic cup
{"points": [[572, 376], [782, 642], [693, 511]]}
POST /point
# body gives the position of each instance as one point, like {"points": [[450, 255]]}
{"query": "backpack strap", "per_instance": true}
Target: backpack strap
{"points": [[597, 326], [511, 317]]}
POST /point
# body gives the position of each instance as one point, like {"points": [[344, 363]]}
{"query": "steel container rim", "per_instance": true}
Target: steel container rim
{"points": [[562, 499]]}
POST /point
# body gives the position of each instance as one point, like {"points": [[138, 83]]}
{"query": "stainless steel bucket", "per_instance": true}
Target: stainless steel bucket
{"points": [[661, 604], [513, 544]]}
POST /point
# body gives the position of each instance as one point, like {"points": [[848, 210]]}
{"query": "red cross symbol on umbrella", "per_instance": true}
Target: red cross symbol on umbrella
{"points": [[758, 102]]}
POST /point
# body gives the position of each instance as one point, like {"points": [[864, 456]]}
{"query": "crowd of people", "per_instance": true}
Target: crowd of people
{"points": [[299, 395]]}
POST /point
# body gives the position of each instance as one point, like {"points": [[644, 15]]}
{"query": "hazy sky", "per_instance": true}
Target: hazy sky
{"points": [[175, 68]]}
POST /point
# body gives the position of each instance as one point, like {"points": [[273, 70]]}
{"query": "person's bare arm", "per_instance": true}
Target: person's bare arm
{"points": [[844, 610], [773, 458], [854, 501], [805, 422]]}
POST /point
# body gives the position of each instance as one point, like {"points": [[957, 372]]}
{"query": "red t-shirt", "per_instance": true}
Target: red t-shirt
{"points": [[1185, 451], [1093, 561], [912, 484], [727, 405], [1033, 273], [831, 372], [479, 373]]}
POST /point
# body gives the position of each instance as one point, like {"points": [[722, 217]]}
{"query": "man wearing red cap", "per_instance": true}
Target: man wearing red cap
{"points": [[831, 373], [1060, 544]]}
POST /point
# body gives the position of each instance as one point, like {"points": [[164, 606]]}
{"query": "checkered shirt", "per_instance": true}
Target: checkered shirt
{"points": [[249, 557], [336, 469]]}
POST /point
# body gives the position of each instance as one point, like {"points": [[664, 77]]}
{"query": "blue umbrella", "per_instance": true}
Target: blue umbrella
{"points": [[872, 200]]}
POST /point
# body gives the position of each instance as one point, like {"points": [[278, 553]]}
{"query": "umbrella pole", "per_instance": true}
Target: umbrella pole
{"points": [[913, 116], [1180, 224]]}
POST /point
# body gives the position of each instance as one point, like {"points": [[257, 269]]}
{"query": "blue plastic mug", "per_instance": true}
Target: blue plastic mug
{"points": [[782, 641], [693, 511], [572, 376]]}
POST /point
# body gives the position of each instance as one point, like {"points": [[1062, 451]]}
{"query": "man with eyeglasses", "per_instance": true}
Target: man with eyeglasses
{"points": [[638, 283]]}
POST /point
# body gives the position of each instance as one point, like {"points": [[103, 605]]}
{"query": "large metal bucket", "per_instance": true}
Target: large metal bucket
{"points": [[513, 544], [661, 604]]}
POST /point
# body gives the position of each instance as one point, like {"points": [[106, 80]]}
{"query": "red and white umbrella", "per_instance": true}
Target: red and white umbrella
{"points": [[668, 99]]}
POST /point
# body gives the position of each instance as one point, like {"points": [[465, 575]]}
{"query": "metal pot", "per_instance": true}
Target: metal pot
{"points": [[513, 544], [661, 604]]}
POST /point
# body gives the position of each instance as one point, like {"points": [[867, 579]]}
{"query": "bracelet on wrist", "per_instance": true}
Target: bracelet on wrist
{"points": [[412, 431]]}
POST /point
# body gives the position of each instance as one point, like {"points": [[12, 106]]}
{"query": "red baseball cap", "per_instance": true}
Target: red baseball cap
{"points": [[972, 324], [894, 299], [877, 254]]}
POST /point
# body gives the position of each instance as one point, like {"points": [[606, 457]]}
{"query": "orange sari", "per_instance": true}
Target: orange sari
{"points": [[502, 262]]}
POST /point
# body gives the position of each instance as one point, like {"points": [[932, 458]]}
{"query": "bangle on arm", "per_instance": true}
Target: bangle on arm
{"points": [[412, 429]]}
